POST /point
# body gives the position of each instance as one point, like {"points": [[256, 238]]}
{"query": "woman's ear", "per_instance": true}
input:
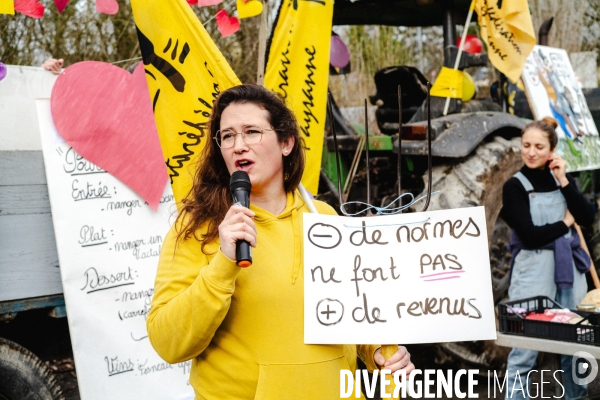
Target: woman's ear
{"points": [[287, 146]]}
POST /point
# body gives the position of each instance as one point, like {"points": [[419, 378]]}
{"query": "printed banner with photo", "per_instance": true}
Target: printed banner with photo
{"points": [[553, 91], [108, 241]]}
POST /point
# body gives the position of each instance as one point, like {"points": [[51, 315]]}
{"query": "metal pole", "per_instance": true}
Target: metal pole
{"points": [[399, 168], [337, 151], [367, 156], [420, 48], [429, 156]]}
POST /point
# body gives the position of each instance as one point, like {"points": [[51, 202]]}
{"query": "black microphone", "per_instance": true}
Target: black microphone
{"points": [[240, 187]]}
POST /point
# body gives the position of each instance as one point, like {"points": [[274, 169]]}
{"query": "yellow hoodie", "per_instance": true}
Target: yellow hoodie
{"points": [[244, 328]]}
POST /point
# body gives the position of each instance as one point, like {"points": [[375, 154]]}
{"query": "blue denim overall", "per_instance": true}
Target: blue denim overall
{"points": [[533, 275]]}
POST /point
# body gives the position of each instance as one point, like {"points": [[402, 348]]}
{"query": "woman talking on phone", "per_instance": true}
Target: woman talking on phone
{"points": [[541, 203]]}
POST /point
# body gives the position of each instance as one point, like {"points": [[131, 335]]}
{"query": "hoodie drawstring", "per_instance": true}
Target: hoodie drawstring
{"points": [[297, 241]]}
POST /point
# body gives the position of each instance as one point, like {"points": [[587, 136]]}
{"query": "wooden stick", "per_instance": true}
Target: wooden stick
{"points": [[262, 45], [353, 167], [387, 350], [593, 271], [460, 48]]}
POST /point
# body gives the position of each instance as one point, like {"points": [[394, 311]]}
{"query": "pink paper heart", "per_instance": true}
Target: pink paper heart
{"points": [[110, 7], [60, 5], [3, 71], [31, 8], [227, 25], [105, 113], [206, 3]]}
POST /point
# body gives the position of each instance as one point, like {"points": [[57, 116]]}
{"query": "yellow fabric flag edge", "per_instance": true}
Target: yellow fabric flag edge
{"points": [[298, 69], [175, 112], [449, 83], [7, 7], [500, 53]]}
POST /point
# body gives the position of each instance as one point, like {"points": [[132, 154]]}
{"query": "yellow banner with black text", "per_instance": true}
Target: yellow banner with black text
{"points": [[298, 69], [507, 30], [185, 72]]}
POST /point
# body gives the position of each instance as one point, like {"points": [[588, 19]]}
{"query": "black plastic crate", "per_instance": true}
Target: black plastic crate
{"points": [[514, 324]]}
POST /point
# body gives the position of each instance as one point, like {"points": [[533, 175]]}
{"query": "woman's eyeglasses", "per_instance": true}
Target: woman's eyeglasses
{"points": [[250, 134]]}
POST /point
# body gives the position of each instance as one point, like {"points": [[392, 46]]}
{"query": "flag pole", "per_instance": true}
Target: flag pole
{"points": [[460, 48], [262, 45]]}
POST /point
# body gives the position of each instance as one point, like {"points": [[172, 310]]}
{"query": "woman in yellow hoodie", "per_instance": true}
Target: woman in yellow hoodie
{"points": [[243, 327]]}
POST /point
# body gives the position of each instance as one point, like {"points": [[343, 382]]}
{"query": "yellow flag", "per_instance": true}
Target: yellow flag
{"points": [[449, 83], [7, 7], [185, 73], [298, 69], [507, 29]]}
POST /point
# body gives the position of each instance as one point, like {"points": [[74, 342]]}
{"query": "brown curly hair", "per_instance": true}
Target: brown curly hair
{"points": [[546, 125], [209, 199]]}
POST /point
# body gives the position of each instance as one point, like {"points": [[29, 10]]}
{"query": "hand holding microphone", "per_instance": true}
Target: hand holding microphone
{"points": [[237, 231]]}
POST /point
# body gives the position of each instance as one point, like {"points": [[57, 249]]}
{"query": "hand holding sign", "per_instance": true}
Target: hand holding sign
{"points": [[394, 358]]}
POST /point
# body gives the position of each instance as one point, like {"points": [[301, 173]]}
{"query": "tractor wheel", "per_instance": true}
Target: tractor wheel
{"points": [[23, 376], [477, 180]]}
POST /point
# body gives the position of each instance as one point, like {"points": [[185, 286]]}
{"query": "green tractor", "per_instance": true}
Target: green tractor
{"points": [[475, 147]]}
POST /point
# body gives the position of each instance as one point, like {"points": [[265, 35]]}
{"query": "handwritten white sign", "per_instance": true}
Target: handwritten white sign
{"points": [[108, 242], [407, 278]]}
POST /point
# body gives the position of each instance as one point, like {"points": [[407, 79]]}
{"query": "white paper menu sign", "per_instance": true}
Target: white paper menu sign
{"points": [[108, 242]]}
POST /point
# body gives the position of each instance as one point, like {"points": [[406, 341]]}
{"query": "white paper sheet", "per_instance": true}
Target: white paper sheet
{"points": [[407, 278], [108, 243]]}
